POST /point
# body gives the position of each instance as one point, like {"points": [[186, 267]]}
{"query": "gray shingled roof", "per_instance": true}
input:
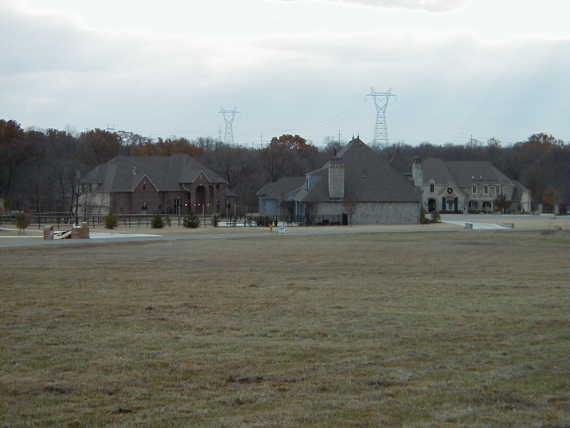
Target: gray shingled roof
{"points": [[462, 173], [435, 169], [368, 177], [467, 172], [123, 173], [280, 188]]}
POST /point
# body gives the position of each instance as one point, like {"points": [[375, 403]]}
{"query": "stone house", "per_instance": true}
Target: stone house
{"points": [[466, 186], [357, 186], [274, 198], [175, 184]]}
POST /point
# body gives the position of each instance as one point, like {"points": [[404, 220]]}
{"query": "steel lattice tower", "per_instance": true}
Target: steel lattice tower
{"points": [[381, 100], [229, 117]]}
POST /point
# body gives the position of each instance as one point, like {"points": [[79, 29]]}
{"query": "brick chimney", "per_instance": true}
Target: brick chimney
{"points": [[336, 179]]}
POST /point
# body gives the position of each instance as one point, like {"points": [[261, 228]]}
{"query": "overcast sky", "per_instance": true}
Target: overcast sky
{"points": [[487, 68]]}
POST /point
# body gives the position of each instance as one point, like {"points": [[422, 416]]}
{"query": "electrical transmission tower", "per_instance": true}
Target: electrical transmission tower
{"points": [[229, 117], [381, 100]]}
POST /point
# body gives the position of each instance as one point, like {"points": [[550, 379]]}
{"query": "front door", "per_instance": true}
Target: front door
{"points": [[201, 200]]}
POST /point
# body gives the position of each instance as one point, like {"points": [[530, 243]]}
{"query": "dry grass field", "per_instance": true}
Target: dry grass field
{"points": [[423, 329]]}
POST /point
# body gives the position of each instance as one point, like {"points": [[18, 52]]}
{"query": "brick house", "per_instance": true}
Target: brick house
{"points": [[357, 186], [466, 186], [175, 184]]}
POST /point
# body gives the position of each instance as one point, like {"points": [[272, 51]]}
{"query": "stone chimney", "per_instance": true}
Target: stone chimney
{"points": [[336, 179], [417, 172]]}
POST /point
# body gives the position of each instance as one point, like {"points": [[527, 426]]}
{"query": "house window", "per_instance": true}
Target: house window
{"points": [[474, 188], [432, 187], [144, 206], [492, 189], [486, 189]]}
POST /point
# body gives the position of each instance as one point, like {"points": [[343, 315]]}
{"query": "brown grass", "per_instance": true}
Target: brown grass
{"points": [[330, 331]]}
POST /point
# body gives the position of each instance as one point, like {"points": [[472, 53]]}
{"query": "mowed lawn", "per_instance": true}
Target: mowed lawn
{"points": [[420, 329]]}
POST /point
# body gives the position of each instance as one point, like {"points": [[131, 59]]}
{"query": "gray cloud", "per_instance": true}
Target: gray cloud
{"points": [[34, 43], [55, 72]]}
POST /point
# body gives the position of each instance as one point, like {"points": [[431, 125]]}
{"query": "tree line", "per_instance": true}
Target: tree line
{"points": [[41, 170]]}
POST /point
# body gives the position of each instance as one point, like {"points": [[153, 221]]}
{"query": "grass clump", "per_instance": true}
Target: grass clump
{"points": [[22, 222], [111, 221], [191, 221], [157, 222]]}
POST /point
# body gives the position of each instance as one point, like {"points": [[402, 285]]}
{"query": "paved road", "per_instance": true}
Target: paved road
{"points": [[489, 218], [31, 242], [499, 218]]}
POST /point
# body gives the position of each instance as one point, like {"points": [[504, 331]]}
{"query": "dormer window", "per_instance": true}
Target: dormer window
{"points": [[432, 187]]}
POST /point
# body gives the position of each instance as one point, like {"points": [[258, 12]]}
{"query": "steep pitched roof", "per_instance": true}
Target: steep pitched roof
{"points": [[435, 169], [462, 173], [123, 173], [368, 177], [280, 188], [467, 172]]}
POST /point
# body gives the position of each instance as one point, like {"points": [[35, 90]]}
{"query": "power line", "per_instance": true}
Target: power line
{"points": [[381, 100], [229, 117]]}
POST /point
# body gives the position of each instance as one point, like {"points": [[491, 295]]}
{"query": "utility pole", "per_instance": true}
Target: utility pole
{"points": [[381, 100], [229, 117]]}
